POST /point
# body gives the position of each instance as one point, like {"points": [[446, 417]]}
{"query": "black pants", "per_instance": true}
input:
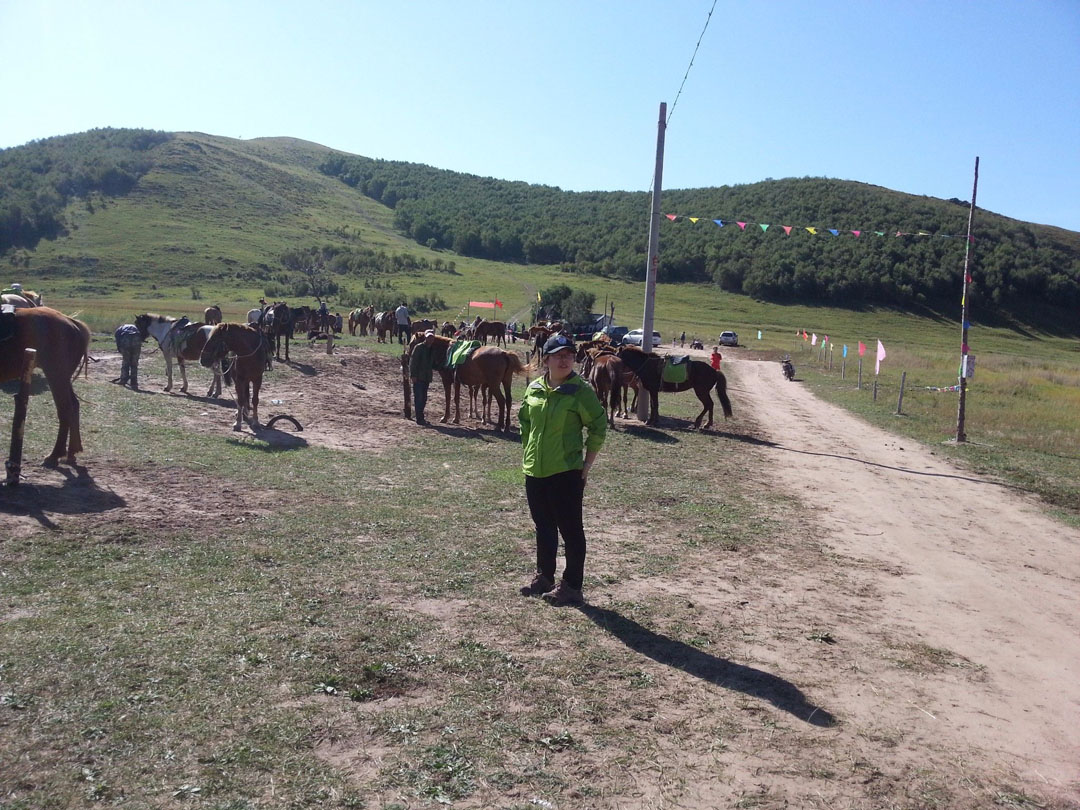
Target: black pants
{"points": [[404, 334], [555, 506], [419, 395]]}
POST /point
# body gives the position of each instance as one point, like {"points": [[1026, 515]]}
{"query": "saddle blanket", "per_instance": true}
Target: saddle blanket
{"points": [[460, 351], [676, 369], [7, 322]]}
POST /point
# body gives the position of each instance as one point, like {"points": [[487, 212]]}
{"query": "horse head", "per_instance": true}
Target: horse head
{"points": [[215, 348]]}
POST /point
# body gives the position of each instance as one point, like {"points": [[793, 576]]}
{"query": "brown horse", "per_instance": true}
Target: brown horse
{"points": [[494, 368], [607, 374], [180, 342], [63, 346], [212, 315], [243, 350], [701, 377], [383, 324], [490, 329]]}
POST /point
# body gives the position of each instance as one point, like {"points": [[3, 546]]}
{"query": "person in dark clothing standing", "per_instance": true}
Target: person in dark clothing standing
{"points": [[129, 344], [421, 367], [556, 461]]}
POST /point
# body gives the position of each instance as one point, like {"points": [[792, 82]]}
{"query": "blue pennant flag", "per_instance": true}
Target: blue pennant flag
{"points": [[845, 350]]}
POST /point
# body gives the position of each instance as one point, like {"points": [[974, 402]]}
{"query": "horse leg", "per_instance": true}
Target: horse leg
{"points": [[183, 373], [654, 406], [457, 402], [256, 384], [286, 347], [168, 373], [63, 400], [494, 392], [241, 401], [446, 395]]}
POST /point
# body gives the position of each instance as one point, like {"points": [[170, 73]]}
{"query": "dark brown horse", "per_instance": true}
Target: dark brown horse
{"points": [[212, 315], [701, 377], [63, 346], [278, 324], [242, 349], [607, 375], [384, 323], [490, 329]]}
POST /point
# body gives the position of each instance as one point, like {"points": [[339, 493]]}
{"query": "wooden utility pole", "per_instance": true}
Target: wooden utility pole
{"points": [[961, 436], [18, 421], [653, 259]]}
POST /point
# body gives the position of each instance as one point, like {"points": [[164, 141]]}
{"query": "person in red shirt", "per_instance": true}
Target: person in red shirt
{"points": [[716, 357]]}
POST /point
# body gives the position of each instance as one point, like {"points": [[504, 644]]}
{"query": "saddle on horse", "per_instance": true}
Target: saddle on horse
{"points": [[676, 369], [460, 351]]}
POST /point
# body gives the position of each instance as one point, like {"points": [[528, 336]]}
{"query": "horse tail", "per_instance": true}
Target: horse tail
{"points": [[514, 361], [721, 393]]}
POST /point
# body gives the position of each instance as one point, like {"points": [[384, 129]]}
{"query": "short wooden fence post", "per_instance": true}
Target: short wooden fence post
{"points": [[900, 400], [18, 421]]}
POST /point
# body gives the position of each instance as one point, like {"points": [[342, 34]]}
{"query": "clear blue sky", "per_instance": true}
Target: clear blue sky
{"points": [[898, 93]]}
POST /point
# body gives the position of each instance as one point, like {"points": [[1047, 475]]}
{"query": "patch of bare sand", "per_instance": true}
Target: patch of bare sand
{"points": [[957, 604]]}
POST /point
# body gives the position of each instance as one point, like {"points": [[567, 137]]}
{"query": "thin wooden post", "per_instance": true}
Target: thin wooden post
{"points": [[406, 385], [875, 389], [18, 421], [830, 357], [843, 368], [652, 264], [961, 436], [900, 400], [860, 374]]}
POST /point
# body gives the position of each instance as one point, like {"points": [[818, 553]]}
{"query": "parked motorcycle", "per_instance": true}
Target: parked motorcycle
{"points": [[788, 368]]}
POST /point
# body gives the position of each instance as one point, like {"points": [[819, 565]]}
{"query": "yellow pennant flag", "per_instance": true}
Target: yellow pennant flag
{"points": [[812, 230], [538, 300], [694, 219]]}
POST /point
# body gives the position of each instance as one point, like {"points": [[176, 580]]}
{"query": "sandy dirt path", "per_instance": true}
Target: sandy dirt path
{"points": [[969, 567]]}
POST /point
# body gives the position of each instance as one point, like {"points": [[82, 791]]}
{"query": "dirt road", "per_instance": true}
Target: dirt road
{"points": [[958, 571]]}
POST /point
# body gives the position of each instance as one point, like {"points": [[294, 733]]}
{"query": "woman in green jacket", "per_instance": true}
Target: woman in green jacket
{"points": [[556, 409]]}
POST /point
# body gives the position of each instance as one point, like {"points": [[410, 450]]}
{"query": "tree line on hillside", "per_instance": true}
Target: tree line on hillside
{"points": [[605, 233], [38, 180]]}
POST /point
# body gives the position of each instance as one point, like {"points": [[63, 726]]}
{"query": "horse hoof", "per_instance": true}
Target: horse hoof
{"points": [[52, 462], [237, 428]]}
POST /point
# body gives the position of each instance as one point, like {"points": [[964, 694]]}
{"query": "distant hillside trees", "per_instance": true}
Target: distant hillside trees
{"points": [[605, 233], [39, 179]]}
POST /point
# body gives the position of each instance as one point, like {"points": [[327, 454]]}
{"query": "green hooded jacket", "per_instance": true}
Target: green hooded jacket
{"points": [[552, 420]]}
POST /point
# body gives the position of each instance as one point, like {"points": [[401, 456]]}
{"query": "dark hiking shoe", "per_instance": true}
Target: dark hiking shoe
{"points": [[538, 587], [564, 595]]}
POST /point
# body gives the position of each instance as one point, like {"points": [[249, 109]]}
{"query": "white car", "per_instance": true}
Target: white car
{"points": [[728, 339], [634, 337]]}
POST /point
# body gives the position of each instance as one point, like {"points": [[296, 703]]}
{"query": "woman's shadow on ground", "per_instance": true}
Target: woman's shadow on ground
{"points": [[755, 682]]}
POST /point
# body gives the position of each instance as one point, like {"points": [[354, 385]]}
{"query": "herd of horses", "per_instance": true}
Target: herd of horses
{"points": [[612, 371], [240, 353]]}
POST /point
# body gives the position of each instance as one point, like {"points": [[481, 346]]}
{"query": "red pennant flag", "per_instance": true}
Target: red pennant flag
{"points": [[742, 225], [804, 335], [856, 233], [498, 303], [787, 229], [671, 216], [862, 348]]}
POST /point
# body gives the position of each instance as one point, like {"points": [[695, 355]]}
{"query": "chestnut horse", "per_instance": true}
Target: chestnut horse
{"points": [[244, 351], [360, 319], [180, 342], [488, 366], [63, 347], [701, 377]]}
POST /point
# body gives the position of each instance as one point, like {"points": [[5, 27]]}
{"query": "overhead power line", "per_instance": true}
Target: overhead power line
{"points": [[671, 112]]}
